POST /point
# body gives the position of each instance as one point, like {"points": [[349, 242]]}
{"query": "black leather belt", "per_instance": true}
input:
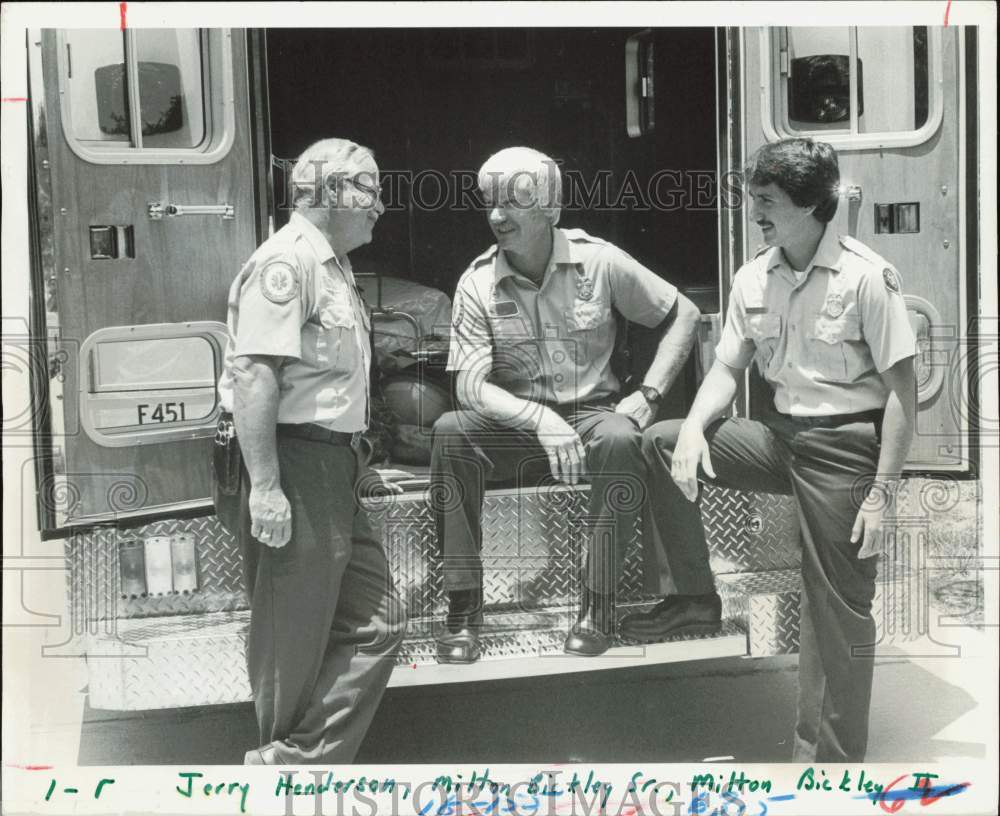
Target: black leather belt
{"points": [[317, 433], [834, 420]]}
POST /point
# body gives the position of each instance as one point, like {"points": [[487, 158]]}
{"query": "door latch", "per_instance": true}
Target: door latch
{"points": [[157, 210]]}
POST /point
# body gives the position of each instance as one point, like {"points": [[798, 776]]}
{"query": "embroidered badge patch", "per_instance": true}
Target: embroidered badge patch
{"points": [[834, 304], [279, 283], [891, 281], [584, 285]]}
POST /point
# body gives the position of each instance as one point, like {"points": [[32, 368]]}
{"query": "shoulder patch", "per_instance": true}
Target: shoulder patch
{"points": [[891, 280], [279, 282], [456, 309]]}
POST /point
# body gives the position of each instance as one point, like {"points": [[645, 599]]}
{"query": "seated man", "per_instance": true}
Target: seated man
{"points": [[825, 319], [533, 334]]}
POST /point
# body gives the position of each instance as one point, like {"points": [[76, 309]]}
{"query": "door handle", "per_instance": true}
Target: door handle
{"points": [[852, 192], [156, 210]]}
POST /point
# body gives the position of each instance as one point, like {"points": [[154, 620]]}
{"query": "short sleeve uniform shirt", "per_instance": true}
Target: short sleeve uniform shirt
{"points": [[553, 343], [297, 301], [822, 341]]}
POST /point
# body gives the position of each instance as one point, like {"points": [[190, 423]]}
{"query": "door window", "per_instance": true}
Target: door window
{"points": [[153, 383], [146, 95], [854, 86]]}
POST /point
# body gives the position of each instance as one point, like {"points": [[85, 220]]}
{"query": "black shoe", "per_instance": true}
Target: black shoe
{"points": [[675, 615], [594, 631], [460, 641]]}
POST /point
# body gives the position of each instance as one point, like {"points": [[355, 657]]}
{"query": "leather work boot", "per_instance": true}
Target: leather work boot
{"points": [[594, 631], [675, 615], [460, 641]]}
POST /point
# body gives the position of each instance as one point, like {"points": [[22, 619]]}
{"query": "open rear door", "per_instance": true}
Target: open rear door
{"points": [[146, 209]]}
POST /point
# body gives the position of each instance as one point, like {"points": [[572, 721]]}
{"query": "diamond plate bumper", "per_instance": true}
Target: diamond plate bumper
{"points": [[180, 649]]}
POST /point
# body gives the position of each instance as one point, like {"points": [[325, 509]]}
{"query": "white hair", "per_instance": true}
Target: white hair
{"points": [[527, 176], [320, 161]]}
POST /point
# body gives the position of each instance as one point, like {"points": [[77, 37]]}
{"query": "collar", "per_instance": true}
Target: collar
{"points": [[828, 253], [316, 239], [562, 253]]}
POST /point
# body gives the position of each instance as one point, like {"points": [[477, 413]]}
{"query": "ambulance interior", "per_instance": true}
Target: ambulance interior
{"points": [[433, 105]]}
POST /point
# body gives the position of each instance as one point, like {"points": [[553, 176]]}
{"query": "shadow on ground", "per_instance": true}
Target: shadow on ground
{"points": [[731, 707]]}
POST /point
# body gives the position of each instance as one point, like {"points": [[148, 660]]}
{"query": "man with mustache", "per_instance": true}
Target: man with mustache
{"points": [[325, 619], [825, 320], [533, 334]]}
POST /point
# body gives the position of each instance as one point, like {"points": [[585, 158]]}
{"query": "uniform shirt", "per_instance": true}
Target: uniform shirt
{"points": [[553, 343], [296, 300], [821, 341]]}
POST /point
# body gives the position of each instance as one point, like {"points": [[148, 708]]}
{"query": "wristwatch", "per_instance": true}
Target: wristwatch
{"points": [[651, 394]]}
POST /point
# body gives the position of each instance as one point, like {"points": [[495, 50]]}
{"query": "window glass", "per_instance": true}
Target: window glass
{"points": [[819, 83], [891, 73], [895, 61], [176, 362], [150, 383], [163, 68], [98, 96], [171, 101]]}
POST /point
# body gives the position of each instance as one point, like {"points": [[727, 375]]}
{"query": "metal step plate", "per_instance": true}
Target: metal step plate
{"points": [[185, 660]]}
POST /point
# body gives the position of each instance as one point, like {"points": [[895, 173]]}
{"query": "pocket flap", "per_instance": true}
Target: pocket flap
{"points": [[586, 315], [337, 312], [764, 326], [833, 330]]}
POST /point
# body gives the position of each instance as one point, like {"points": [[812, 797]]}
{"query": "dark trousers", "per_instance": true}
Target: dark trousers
{"points": [[469, 451], [826, 469], [325, 620]]}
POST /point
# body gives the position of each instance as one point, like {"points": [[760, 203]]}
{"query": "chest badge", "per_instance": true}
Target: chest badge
{"points": [[834, 305], [279, 283], [584, 285]]}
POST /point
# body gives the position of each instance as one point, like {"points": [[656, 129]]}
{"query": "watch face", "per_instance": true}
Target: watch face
{"points": [[650, 393]]}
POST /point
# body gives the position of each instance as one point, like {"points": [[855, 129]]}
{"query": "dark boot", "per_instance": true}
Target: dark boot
{"points": [[460, 641], [594, 631], [675, 615]]}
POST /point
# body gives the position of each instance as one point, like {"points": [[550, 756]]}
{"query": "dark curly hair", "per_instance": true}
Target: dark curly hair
{"points": [[808, 171]]}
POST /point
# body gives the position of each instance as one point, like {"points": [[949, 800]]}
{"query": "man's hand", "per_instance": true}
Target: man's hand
{"points": [[875, 520], [567, 456], [636, 407], [691, 451], [271, 516]]}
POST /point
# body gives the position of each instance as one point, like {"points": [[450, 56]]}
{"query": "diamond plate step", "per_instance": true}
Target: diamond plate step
{"points": [[190, 660]]}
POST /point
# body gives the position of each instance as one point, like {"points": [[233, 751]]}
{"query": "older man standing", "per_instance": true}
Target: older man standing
{"points": [[825, 319], [533, 335], [325, 618]]}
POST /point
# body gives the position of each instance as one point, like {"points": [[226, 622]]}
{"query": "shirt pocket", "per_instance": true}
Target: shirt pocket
{"points": [[590, 327], [515, 350], [336, 344], [765, 331], [836, 347]]}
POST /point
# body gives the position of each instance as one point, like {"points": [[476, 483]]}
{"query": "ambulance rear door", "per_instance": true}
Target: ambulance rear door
{"points": [[145, 198], [891, 100]]}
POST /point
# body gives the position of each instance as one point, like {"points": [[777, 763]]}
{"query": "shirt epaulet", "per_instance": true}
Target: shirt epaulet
{"points": [[855, 247], [487, 257], [578, 235]]}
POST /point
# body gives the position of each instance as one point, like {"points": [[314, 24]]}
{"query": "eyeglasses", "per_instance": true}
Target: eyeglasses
{"points": [[374, 193]]}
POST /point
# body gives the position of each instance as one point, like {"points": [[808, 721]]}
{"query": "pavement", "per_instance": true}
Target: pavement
{"points": [[735, 709]]}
